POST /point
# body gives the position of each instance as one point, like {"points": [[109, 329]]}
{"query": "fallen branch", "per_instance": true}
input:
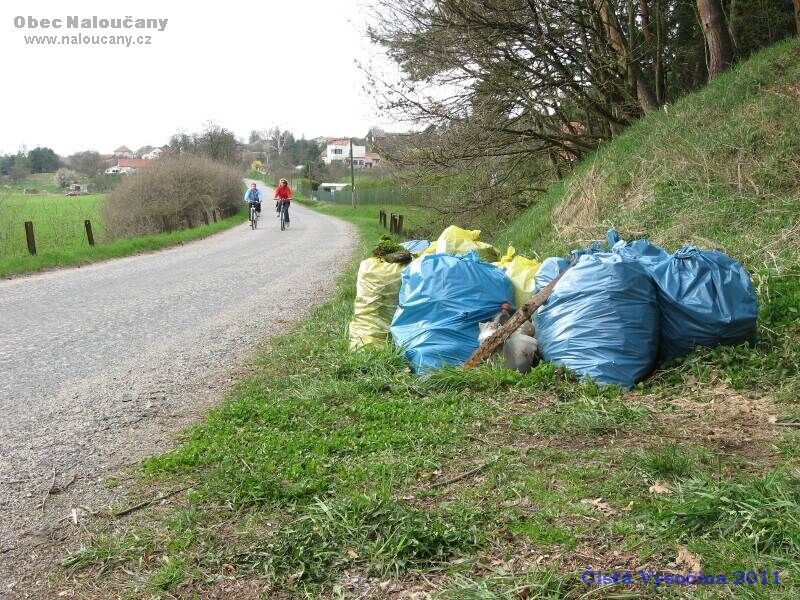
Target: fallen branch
{"points": [[470, 473], [788, 424], [50, 490], [499, 337], [146, 503]]}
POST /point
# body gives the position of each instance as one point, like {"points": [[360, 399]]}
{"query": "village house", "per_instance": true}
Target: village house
{"points": [[339, 150], [123, 152]]}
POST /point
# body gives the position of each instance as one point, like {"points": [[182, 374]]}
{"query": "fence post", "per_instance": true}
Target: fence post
{"points": [[30, 237], [399, 225], [89, 234]]}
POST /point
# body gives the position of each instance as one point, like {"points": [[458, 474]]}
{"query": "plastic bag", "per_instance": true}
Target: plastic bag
{"points": [[642, 250], [521, 271], [602, 320], [377, 292], [416, 246], [706, 299], [550, 269], [442, 299], [455, 240]]}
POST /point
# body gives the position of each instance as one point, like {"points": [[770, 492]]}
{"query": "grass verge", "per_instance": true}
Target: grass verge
{"points": [[332, 474]]}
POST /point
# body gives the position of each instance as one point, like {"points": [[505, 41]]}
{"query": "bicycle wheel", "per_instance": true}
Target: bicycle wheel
{"points": [[283, 218]]}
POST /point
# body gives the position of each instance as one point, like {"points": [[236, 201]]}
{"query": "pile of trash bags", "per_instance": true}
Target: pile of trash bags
{"points": [[617, 311]]}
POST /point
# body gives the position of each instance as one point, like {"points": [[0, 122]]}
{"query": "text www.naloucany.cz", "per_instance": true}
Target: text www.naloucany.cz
{"points": [[88, 40]]}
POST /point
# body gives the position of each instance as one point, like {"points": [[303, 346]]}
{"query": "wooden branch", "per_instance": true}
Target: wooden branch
{"points": [[499, 337], [469, 473], [141, 505]]}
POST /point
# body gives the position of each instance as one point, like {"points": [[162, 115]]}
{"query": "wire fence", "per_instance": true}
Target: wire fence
{"points": [[416, 195]]}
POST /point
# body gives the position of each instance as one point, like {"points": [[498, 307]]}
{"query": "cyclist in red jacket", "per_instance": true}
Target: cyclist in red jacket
{"points": [[283, 196]]}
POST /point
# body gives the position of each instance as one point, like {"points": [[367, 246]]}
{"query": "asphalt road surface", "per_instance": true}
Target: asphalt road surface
{"points": [[101, 365]]}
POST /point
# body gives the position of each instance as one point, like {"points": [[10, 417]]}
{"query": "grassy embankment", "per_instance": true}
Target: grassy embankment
{"points": [[61, 241], [332, 473]]}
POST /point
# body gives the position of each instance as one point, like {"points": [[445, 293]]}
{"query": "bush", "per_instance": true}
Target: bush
{"points": [[63, 177], [175, 193], [105, 183]]}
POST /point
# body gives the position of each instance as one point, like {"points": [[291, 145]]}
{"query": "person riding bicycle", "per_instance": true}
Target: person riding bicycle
{"points": [[283, 197], [253, 196]]}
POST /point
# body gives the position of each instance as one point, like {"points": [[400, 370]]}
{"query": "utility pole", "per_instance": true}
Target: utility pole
{"points": [[352, 176]]}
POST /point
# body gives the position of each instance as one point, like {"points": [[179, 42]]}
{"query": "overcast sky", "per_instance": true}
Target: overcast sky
{"points": [[244, 65]]}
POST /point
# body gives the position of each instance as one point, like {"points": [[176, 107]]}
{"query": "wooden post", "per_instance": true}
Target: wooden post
{"points": [[399, 224], [499, 337], [30, 237], [89, 234]]}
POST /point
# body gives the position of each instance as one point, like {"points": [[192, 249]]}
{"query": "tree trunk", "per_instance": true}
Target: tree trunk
{"points": [[644, 13], [645, 95], [797, 15], [718, 39], [660, 78]]}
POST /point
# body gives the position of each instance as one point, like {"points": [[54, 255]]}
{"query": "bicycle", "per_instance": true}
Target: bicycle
{"points": [[284, 215], [253, 216]]}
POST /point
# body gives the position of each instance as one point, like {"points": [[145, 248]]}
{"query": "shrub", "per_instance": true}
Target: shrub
{"points": [[175, 193], [63, 177]]}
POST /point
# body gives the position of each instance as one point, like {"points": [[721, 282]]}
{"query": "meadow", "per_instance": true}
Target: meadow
{"points": [[58, 224]]}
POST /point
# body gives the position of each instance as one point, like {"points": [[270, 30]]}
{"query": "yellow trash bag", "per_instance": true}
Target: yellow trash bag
{"points": [[521, 271], [377, 291], [455, 240]]}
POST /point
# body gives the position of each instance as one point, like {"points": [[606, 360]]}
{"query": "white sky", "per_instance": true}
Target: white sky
{"points": [[244, 65]]}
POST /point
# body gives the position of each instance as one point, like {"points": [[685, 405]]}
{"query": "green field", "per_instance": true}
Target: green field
{"points": [[58, 223]]}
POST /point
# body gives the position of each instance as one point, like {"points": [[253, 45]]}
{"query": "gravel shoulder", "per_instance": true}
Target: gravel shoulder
{"points": [[102, 365]]}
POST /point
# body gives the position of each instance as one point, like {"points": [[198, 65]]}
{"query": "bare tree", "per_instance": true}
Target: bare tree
{"points": [[719, 46]]}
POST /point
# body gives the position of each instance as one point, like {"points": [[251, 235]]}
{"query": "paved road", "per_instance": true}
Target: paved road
{"points": [[101, 365]]}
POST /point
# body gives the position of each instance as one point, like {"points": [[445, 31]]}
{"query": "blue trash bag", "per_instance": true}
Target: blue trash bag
{"points": [[548, 270], [602, 320], [416, 246], [592, 248], [706, 299], [649, 254], [443, 297]]}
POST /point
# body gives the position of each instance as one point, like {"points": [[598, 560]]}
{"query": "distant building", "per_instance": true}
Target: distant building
{"points": [[153, 154], [339, 150], [126, 166], [380, 140], [372, 160], [123, 152]]}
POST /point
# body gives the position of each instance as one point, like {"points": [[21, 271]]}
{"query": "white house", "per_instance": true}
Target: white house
{"points": [[339, 149], [153, 154], [123, 152]]}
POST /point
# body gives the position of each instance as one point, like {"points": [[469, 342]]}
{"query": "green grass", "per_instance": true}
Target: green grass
{"points": [[61, 241], [58, 222], [326, 465]]}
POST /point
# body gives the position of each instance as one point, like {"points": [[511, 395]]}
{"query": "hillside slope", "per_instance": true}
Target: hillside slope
{"points": [[719, 168]]}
